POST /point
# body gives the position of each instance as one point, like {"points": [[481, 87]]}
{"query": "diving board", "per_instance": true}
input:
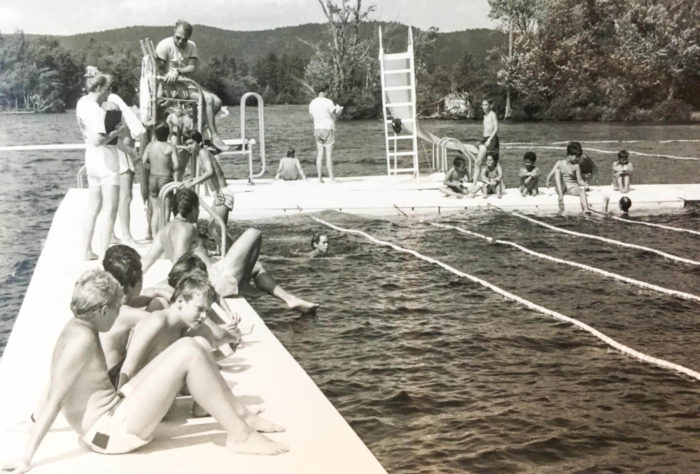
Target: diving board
{"points": [[261, 372]]}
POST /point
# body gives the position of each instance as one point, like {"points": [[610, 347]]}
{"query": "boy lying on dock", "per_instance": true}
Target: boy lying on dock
{"points": [[115, 422], [233, 270]]}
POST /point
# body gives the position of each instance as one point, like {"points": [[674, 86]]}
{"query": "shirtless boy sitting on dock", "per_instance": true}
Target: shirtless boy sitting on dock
{"points": [[567, 177], [185, 316], [112, 422], [234, 269], [453, 184], [161, 158], [124, 264]]}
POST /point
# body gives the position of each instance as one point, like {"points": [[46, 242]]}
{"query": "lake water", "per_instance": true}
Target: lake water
{"points": [[437, 374]]}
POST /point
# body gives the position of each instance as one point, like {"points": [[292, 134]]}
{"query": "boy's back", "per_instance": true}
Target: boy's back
{"points": [[161, 156], [288, 168]]}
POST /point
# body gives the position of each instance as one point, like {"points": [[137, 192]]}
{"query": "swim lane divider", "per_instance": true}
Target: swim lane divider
{"points": [[605, 152], [529, 304], [602, 239], [650, 224], [615, 276]]}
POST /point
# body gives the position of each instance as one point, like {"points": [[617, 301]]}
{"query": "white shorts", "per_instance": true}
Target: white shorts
{"points": [[102, 165], [125, 162], [109, 435]]}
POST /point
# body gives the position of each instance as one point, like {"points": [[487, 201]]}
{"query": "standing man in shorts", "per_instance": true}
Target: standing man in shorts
{"points": [[101, 162], [325, 113]]}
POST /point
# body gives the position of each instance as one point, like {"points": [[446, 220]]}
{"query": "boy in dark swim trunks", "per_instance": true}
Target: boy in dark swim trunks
{"points": [[491, 176], [453, 185], [162, 160]]}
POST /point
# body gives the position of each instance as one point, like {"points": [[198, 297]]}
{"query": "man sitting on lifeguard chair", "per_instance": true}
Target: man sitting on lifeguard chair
{"points": [[177, 56]]}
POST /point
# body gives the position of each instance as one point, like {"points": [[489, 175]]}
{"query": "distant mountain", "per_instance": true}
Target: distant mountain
{"points": [[292, 40]]}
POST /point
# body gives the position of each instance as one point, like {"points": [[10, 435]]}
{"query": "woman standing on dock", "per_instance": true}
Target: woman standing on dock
{"points": [[101, 161]]}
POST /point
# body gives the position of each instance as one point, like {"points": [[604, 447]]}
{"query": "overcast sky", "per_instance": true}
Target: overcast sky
{"points": [[65, 17]]}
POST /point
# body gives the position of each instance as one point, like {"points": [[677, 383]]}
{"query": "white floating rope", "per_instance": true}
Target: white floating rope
{"points": [[53, 147], [608, 340], [607, 152], [651, 224], [604, 239], [615, 276]]}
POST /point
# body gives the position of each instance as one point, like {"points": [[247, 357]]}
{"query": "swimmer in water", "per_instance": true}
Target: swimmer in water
{"points": [[319, 244]]}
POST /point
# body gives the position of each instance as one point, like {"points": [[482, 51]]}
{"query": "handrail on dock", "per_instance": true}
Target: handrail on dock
{"points": [[261, 128], [172, 187], [82, 173]]}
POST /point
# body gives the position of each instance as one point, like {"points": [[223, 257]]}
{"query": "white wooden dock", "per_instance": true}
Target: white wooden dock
{"points": [[261, 372], [402, 195]]}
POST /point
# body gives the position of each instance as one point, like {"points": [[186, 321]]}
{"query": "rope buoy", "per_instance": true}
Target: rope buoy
{"points": [[615, 276], [608, 340], [603, 239]]}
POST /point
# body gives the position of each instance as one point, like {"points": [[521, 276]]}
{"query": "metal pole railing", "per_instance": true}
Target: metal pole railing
{"points": [[261, 127]]}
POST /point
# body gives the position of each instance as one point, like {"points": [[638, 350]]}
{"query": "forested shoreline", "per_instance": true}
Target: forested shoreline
{"points": [[634, 60]]}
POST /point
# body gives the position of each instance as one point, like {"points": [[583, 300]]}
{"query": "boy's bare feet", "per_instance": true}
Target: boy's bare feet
{"points": [[262, 425], [255, 443], [304, 307], [90, 255]]}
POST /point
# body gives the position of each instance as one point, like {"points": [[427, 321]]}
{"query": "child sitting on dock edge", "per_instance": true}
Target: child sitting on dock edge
{"points": [[113, 422], [529, 175], [622, 170], [453, 184], [290, 168], [567, 177], [491, 176]]}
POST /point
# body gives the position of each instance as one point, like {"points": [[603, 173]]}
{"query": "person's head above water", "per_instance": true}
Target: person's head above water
{"points": [[319, 242], [625, 204]]}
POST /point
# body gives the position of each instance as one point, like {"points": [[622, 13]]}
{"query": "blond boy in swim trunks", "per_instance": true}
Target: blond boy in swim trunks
{"points": [[567, 177], [115, 422], [162, 160]]}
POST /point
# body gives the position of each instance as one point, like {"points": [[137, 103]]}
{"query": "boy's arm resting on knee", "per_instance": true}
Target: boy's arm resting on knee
{"points": [[65, 370]]}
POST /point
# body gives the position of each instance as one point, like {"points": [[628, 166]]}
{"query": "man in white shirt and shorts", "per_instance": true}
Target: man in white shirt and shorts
{"points": [[324, 112]]}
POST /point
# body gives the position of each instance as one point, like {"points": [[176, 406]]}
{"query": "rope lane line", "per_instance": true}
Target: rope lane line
{"points": [[603, 239], [510, 296], [654, 224], [615, 276], [608, 152]]}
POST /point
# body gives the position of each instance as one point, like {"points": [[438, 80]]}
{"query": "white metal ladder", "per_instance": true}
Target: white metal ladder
{"points": [[399, 101]]}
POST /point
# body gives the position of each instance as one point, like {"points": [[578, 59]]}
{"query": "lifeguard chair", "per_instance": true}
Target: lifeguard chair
{"points": [[153, 107]]}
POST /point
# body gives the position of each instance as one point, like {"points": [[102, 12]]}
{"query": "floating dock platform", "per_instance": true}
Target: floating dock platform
{"points": [[261, 372], [402, 195]]}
